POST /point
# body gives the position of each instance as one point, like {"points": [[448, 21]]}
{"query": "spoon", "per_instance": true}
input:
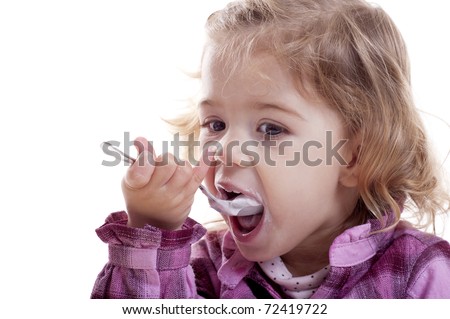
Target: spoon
{"points": [[239, 206]]}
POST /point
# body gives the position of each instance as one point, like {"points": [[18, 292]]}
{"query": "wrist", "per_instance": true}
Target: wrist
{"points": [[137, 221]]}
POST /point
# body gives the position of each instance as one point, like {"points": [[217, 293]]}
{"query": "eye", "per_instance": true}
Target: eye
{"points": [[214, 125], [271, 129]]}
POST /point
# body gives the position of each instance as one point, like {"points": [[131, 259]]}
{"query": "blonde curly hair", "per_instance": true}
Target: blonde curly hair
{"points": [[350, 55]]}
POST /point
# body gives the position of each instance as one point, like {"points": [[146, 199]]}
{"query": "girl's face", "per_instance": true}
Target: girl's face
{"points": [[276, 149]]}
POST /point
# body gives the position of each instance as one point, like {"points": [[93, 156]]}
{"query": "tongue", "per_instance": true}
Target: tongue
{"points": [[248, 223]]}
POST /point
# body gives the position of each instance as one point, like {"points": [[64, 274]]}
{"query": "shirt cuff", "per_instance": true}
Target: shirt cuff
{"points": [[135, 247]]}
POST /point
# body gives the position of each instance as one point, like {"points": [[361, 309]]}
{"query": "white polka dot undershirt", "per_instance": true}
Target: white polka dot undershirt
{"points": [[296, 287]]}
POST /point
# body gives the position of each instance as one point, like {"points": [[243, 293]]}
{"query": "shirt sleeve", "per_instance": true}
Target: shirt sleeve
{"points": [[432, 269], [146, 262]]}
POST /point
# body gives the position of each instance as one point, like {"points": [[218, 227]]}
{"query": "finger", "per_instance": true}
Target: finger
{"points": [[181, 177], [142, 144], [205, 163], [140, 173], [165, 168]]}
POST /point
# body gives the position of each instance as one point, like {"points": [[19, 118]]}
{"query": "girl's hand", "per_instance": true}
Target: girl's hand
{"points": [[157, 193]]}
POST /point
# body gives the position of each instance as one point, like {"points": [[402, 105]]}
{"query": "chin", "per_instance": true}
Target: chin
{"points": [[256, 255]]}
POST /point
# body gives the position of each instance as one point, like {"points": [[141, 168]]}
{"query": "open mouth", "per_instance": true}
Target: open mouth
{"points": [[246, 224], [243, 224], [230, 195]]}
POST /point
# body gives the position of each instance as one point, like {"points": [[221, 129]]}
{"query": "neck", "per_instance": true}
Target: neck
{"points": [[313, 255], [302, 262]]}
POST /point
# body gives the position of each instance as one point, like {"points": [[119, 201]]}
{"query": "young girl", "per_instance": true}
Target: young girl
{"points": [[309, 102]]}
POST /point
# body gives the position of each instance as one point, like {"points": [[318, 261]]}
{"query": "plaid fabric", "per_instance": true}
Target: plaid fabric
{"points": [[152, 263]]}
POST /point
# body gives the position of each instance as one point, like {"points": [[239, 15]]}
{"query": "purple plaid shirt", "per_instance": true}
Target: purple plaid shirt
{"points": [[153, 263]]}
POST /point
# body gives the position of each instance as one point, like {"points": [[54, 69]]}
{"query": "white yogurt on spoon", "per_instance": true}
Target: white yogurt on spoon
{"points": [[240, 206]]}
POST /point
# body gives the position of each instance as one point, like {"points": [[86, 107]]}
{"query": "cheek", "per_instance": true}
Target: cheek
{"points": [[300, 186], [294, 153]]}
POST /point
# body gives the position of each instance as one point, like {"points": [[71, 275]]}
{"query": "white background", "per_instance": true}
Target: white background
{"points": [[76, 73]]}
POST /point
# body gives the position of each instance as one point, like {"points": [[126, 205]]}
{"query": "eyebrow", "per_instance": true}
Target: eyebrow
{"points": [[280, 108], [205, 102], [260, 106]]}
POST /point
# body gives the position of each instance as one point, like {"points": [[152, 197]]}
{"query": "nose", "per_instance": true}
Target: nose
{"points": [[234, 149]]}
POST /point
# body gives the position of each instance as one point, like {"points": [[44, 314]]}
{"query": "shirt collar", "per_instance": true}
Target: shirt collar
{"points": [[358, 244], [354, 246]]}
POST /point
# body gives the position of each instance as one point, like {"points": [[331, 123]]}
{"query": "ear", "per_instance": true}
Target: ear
{"points": [[350, 172]]}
